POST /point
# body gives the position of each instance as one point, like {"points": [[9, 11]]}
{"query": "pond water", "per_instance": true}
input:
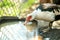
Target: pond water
{"points": [[17, 31]]}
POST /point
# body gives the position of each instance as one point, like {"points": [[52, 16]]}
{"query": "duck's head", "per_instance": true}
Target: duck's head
{"points": [[29, 17]]}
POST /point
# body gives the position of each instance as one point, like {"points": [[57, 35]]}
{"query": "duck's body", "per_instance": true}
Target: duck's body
{"points": [[46, 15]]}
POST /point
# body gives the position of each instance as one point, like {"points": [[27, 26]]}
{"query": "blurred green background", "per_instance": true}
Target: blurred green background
{"points": [[14, 7]]}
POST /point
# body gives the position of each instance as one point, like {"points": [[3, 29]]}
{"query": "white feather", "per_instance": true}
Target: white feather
{"points": [[42, 15], [45, 15], [42, 23], [56, 24]]}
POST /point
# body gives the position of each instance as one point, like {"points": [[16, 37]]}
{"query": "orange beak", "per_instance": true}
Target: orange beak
{"points": [[27, 19]]}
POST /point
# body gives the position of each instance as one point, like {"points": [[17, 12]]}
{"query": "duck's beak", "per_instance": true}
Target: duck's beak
{"points": [[27, 20]]}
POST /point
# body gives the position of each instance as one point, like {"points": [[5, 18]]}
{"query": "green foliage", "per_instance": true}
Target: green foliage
{"points": [[27, 4], [8, 8], [5, 3], [5, 6]]}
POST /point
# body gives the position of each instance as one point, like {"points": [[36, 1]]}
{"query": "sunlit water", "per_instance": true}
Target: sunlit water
{"points": [[16, 31]]}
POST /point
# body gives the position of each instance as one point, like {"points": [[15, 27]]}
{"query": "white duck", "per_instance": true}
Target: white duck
{"points": [[38, 14], [43, 17]]}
